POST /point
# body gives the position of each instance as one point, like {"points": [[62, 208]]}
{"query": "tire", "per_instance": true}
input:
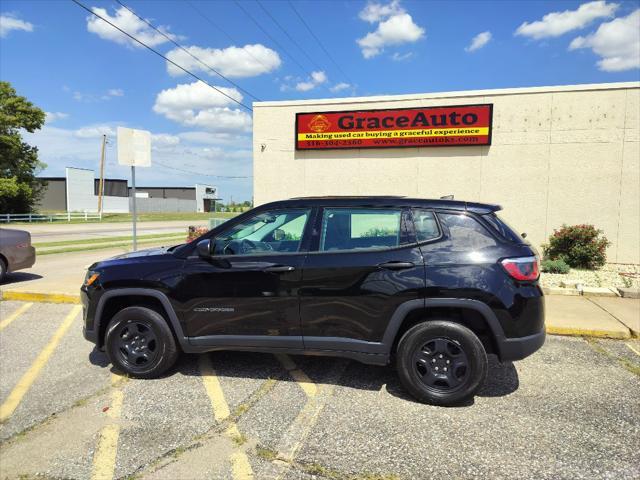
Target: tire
{"points": [[441, 362], [140, 343], [3, 270]]}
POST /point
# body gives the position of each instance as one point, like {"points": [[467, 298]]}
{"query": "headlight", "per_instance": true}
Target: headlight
{"points": [[91, 277]]}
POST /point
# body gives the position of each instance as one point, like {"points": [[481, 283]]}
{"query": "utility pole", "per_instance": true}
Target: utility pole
{"points": [[101, 183]]}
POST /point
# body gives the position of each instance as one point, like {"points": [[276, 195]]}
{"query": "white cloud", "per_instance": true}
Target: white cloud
{"points": [[213, 138], [316, 79], [247, 61], [338, 87], [617, 43], [400, 57], [375, 12], [51, 117], [479, 41], [129, 23], [555, 24], [164, 140], [197, 105], [395, 27], [9, 22], [93, 97], [95, 131]]}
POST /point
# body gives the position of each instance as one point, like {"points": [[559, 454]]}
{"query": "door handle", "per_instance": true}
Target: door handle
{"points": [[279, 269], [396, 265]]}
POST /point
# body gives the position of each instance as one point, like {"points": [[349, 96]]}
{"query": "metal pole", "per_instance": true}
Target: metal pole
{"points": [[101, 183], [133, 192]]}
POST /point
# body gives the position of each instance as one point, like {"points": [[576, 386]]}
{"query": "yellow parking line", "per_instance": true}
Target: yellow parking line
{"points": [[10, 404], [240, 466], [214, 391], [301, 378], [104, 458], [636, 351], [23, 308]]}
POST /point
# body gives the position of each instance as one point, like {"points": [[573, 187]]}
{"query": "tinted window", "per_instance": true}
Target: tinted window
{"points": [[267, 232], [465, 232], [360, 228], [426, 225], [502, 227]]}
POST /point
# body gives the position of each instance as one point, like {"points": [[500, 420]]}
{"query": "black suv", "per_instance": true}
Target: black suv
{"points": [[432, 285]]}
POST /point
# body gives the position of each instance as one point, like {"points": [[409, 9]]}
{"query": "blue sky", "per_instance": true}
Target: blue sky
{"points": [[91, 79]]}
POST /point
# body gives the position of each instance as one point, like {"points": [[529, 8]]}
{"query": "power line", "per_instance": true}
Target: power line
{"points": [[77, 2], [233, 40], [313, 62], [270, 37], [189, 53], [319, 42], [155, 162]]}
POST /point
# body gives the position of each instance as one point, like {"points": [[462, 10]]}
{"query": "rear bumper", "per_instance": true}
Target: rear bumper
{"points": [[512, 349]]}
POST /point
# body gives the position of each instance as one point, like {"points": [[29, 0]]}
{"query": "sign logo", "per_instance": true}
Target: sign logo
{"points": [[447, 126], [319, 123]]}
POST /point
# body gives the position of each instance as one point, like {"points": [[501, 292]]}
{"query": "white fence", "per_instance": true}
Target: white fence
{"points": [[48, 217]]}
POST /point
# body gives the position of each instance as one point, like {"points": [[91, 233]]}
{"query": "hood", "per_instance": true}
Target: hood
{"points": [[142, 253]]}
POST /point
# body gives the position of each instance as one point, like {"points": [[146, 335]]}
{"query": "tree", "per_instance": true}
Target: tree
{"points": [[19, 164]]}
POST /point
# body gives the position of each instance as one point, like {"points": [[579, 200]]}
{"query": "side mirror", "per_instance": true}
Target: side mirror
{"points": [[203, 247], [523, 234]]}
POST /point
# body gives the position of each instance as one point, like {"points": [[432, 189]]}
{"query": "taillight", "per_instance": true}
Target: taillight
{"points": [[522, 268]]}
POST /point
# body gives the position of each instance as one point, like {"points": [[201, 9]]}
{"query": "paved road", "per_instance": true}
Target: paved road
{"points": [[64, 272], [570, 411], [42, 232]]}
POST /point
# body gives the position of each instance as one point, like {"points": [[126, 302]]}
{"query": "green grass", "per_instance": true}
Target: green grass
{"points": [[105, 246], [142, 217], [129, 238]]}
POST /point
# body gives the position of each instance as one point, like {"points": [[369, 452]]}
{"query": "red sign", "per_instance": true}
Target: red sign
{"points": [[407, 127]]}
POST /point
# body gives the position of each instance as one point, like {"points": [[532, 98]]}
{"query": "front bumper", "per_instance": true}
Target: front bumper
{"points": [[89, 331], [512, 349]]}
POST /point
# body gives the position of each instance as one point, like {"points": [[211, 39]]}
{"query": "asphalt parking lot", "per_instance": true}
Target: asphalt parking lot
{"points": [[570, 411]]}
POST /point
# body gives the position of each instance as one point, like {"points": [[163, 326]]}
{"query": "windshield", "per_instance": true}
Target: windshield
{"points": [[502, 228]]}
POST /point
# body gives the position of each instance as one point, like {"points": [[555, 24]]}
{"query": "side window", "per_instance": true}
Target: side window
{"points": [[360, 228], [268, 232], [465, 233], [425, 225]]}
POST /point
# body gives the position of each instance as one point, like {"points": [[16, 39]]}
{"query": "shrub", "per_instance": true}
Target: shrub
{"points": [[195, 232], [554, 266], [580, 246]]}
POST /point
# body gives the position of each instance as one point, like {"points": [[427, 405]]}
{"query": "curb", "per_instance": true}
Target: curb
{"points": [[40, 297], [587, 332]]}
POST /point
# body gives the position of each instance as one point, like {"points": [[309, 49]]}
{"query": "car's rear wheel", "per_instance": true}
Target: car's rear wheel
{"points": [[441, 362], [139, 342]]}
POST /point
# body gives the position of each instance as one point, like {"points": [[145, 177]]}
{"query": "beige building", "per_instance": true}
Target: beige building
{"points": [[567, 154]]}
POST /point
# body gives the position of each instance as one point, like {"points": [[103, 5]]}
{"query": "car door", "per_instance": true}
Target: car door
{"points": [[248, 290], [363, 264]]}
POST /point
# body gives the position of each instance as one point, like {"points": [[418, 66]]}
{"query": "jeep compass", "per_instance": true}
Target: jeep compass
{"points": [[433, 286]]}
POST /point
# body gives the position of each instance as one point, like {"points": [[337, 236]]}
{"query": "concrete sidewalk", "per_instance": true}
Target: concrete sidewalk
{"points": [[57, 279]]}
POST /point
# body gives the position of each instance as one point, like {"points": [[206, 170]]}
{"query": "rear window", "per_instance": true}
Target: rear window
{"points": [[502, 227], [465, 233]]}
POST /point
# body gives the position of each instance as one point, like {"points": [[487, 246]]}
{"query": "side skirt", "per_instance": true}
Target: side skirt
{"points": [[365, 352]]}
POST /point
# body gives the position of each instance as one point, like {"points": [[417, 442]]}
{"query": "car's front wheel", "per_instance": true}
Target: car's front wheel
{"points": [[139, 342], [441, 362]]}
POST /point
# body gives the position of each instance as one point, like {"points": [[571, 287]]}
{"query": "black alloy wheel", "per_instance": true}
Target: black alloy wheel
{"points": [[137, 344], [441, 364]]}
